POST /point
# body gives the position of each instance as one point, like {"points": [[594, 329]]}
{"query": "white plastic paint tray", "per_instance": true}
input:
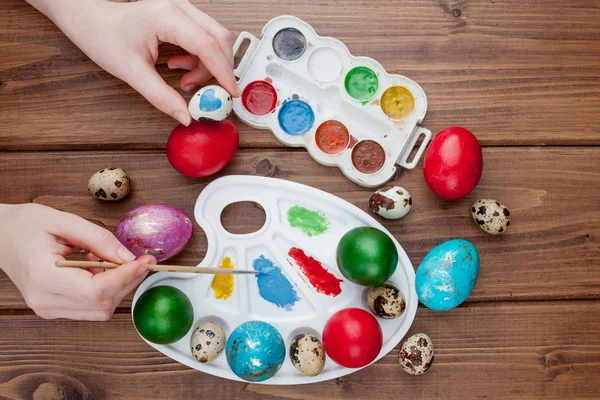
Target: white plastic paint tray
{"points": [[322, 87], [274, 240]]}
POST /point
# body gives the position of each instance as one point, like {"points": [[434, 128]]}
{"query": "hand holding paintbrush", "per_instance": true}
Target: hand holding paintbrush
{"points": [[156, 268]]}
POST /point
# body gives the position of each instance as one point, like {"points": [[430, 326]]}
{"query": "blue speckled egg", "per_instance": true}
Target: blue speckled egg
{"points": [[255, 351], [210, 103], [447, 274]]}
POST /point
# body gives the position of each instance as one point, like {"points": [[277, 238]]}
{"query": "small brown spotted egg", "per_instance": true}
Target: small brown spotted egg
{"points": [[208, 342], [109, 184], [491, 216], [386, 301], [391, 202], [416, 354], [307, 354]]}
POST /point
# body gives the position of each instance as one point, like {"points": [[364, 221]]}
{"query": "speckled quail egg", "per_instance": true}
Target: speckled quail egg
{"points": [[386, 301], [491, 216], [211, 103], [109, 184], [416, 354], [391, 202], [208, 341], [307, 354]]}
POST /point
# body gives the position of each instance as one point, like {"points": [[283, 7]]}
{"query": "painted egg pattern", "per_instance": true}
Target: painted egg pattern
{"points": [[307, 354], [391, 203], [447, 274], [386, 301], [491, 216], [255, 351], [155, 229], [110, 184], [416, 354], [208, 342], [211, 103]]}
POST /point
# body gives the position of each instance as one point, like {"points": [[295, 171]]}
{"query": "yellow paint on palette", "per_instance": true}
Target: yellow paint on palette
{"points": [[397, 102], [222, 285]]}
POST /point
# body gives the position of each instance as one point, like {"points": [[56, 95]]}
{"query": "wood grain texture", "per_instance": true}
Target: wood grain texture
{"points": [[551, 250], [514, 72], [516, 350]]}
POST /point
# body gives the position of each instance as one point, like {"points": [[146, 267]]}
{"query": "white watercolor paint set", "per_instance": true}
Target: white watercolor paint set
{"points": [[347, 111]]}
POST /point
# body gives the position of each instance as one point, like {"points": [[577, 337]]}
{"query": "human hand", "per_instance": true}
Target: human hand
{"points": [[123, 39], [34, 237]]}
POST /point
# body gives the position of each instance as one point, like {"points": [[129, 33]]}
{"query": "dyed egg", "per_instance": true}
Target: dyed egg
{"points": [[352, 338], [453, 163], [367, 256], [416, 354], [203, 148], [208, 342], [255, 351], [447, 274], [163, 314], [307, 354], [211, 103], [109, 184], [491, 216], [386, 301], [155, 229], [391, 203]]}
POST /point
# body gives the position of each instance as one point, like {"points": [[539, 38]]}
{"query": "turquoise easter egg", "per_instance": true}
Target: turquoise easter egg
{"points": [[447, 274], [255, 351]]}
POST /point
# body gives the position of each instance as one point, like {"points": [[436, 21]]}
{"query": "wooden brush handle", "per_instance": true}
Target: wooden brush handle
{"points": [[155, 268]]}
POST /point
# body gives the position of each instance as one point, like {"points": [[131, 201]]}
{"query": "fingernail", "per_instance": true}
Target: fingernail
{"points": [[187, 88], [183, 117], [124, 254], [150, 260]]}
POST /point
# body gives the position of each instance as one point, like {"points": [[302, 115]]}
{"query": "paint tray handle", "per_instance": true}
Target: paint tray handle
{"points": [[411, 143], [247, 56]]}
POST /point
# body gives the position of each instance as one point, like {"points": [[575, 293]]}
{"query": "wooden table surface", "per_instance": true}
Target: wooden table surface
{"points": [[524, 76]]}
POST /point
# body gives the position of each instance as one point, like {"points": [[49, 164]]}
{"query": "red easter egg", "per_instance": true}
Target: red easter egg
{"points": [[453, 163], [352, 338], [203, 148]]}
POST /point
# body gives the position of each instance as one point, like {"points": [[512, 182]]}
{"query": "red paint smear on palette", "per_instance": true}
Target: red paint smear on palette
{"points": [[259, 97], [322, 280]]}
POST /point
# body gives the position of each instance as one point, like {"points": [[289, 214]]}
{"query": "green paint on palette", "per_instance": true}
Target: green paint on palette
{"points": [[312, 223], [361, 84]]}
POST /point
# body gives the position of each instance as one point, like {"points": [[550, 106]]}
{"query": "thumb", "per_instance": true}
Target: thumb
{"points": [[86, 235], [151, 85]]}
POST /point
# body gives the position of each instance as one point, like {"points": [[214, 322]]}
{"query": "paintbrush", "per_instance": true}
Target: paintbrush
{"points": [[157, 268]]}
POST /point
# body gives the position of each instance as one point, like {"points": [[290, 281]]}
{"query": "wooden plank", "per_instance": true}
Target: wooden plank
{"points": [[551, 250], [514, 72], [510, 350]]}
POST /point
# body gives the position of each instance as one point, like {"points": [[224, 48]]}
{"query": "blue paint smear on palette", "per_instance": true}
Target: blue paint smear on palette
{"points": [[208, 101], [296, 117], [273, 286]]}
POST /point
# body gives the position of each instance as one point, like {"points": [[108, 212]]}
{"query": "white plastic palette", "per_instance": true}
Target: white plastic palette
{"points": [[318, 77], [274, 240]]}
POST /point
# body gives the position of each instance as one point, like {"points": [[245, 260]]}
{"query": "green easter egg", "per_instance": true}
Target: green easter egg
{"points": [[163, 314], [367, 256]]}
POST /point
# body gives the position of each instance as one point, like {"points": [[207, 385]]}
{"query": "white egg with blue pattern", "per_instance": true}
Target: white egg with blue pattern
{"points": [[211, 103]]}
